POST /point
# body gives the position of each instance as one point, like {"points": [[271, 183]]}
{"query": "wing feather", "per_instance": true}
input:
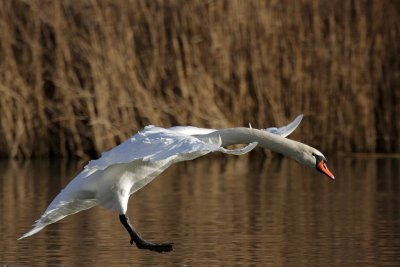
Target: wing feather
{"points": [[286, 130]]}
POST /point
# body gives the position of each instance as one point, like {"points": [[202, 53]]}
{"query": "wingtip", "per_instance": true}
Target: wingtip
{"points": [[21, 237], [299, 117], [31, 232]]}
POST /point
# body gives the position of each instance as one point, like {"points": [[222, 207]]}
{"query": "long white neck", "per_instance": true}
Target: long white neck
{"points": [[276, 143]]}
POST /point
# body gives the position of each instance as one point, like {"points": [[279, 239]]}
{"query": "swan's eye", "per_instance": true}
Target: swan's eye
{"points": [[318, 158]]}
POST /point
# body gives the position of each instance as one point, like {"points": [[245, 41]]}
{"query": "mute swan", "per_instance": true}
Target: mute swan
{"points": [[120, 172]]}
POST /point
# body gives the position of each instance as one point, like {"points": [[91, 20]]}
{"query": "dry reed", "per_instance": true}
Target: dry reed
{"points": [[78, 77]]}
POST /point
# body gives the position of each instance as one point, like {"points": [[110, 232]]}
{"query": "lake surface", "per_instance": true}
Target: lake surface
{"points": [[217, 210]]}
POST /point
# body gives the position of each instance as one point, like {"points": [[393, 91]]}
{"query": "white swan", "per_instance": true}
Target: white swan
{"points": [[120, 172]]}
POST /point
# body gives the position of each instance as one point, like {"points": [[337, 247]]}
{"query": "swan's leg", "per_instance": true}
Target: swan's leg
{"points": [[139, 241]]}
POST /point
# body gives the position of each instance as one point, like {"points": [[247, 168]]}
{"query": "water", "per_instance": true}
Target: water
{"points": [[217, 211]]}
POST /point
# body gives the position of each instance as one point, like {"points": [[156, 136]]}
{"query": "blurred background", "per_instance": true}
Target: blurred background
{"points": [[79, 77]]}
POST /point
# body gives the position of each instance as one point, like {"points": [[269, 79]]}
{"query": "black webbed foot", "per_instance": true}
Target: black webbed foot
{"points": [[165, 247], [139, 241]]}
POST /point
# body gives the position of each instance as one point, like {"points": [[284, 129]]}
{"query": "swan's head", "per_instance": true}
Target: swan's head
{"points": [[316, 160]]}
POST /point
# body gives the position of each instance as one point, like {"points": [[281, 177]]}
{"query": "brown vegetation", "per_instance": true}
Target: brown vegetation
{"points": [[78, 77]]}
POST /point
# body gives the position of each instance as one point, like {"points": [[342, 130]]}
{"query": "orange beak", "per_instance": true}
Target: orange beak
{"points": [[321, 166]]}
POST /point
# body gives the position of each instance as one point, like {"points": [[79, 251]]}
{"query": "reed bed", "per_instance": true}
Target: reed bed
{"points": [[78, 77]]}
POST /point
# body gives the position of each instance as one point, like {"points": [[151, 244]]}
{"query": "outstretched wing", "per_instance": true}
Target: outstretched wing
{"points": [[58, 212], [284, 131], [157, 144]]}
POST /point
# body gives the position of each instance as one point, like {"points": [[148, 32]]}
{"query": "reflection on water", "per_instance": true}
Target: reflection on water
{"points": [[217, 211]]}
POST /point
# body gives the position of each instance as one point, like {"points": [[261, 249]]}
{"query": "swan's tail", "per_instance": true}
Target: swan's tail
{"points": [[56, 212]]}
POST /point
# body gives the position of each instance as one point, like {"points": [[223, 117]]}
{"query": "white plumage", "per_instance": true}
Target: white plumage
{"points": [[120, 172]]}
